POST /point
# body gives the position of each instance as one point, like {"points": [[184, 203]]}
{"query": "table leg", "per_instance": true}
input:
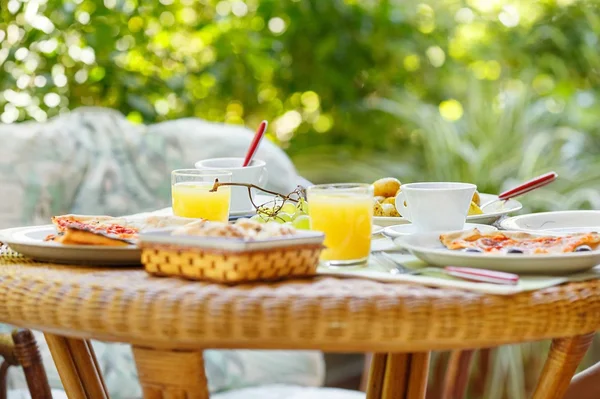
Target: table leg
{"points": [[398, 376], [395, 380], [97, 366], [171, 374], [482, 371], [418, 374], [457, 374], [563, 359], [376, 375], [77, 367]]}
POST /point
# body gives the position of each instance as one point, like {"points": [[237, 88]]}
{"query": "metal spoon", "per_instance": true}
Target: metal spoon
{"points": [[465, 273]]}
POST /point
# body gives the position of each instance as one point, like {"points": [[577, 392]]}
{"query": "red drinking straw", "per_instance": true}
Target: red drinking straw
{"points": [[260, 132]]}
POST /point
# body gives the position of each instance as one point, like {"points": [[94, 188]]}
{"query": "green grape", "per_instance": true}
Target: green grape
{"points": [[283, 217], [288, 208], [259, 218], [298, 214], [302, 222]]}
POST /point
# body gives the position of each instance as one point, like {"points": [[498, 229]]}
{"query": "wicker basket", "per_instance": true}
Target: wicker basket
{"points": [[231, 266]]}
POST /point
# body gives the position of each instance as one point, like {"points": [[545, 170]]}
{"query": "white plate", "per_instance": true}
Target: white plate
{"points": [[29, 241], [376, 229], [406, 229], [491, 213], [249, 213], [559, 222], [164, 236], [427, 247]]}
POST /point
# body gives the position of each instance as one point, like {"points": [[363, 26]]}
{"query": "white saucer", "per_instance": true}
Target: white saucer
{"points": [[490, 214], [408, 229], [248, 212], [259, 199]]}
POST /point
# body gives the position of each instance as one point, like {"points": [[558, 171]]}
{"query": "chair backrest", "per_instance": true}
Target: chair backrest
{"points": [[93, 161], [20, 349]]}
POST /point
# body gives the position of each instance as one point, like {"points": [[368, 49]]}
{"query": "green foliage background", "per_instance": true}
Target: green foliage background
{"points": [[489, 91]]}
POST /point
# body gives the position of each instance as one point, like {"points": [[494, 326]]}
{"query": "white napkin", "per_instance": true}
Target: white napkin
{"points": [[376, 271]]}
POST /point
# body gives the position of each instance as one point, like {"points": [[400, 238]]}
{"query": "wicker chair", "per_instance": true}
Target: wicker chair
{"points": [[20, 349]]}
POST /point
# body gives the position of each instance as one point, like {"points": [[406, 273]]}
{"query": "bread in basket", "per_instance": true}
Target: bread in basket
{"points": [[232, 253]]}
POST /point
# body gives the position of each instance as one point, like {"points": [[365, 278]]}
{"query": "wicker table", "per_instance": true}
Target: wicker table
{"points": [[170, 321]]}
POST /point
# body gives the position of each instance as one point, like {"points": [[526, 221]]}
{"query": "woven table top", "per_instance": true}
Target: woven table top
{"points": [[128, 305]]}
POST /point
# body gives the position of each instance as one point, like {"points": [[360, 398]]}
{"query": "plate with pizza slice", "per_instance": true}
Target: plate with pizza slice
{"points": [[508, 251], [91, 240]]}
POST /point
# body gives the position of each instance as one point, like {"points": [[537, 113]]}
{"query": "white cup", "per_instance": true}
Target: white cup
{"points": [[435, 206], [255, 173]]}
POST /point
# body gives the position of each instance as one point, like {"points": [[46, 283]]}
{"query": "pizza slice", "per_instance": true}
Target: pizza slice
{"points": [[77, 236], [519, 242], [101, 224], [107, 230]]}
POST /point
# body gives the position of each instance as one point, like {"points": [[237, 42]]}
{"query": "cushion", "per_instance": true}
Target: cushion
{"points": [[264, 392], [225, 369], [94, 161], [24, 394], [289, 392]]}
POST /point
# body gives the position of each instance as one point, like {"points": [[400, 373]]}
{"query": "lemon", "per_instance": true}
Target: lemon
{"points": [[474, 209]]}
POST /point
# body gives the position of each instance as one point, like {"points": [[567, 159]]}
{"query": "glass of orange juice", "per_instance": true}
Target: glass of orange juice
{"points": [[344, 212], [192, 196]]}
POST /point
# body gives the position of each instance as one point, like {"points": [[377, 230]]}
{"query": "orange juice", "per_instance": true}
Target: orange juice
{"points": [[194, 200], [346, 220]]}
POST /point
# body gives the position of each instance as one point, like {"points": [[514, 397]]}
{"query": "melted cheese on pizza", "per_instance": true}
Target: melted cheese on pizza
{"points": [[503, 242]]}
